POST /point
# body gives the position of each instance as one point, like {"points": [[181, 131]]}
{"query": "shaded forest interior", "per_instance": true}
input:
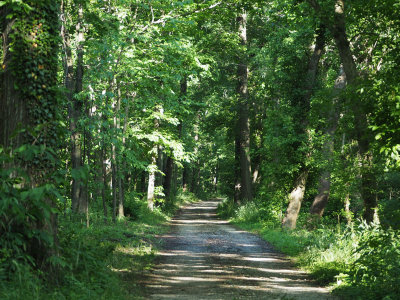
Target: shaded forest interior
{"points": [[113, 113]]}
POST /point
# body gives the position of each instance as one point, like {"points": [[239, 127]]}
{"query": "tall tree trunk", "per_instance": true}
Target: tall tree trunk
{"points": [[27, 106], [73, 85], [321, 199], [295, 200], [243, 126], [237, 186], [114, 182], [193, 186], [115, 150], [368, 179], [216, 177], [168, 177], [297, 194], [104, 175], [152, 179], [160, 166], [152, 171], [185, 177], [123, 172], [169, 167], [83, 205]]}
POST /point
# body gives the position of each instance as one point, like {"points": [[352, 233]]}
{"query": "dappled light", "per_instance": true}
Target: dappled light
{"points": [[203, 257], [117, 115]]}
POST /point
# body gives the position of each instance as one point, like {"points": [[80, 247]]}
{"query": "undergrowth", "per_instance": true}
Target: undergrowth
{"points": [[104, 261], [359, 261]]}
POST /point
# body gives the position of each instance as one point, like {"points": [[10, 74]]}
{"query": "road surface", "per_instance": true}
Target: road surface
{"points": [[204, 257]]}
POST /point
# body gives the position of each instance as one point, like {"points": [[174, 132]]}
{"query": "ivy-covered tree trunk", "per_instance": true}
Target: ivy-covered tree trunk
{"points": [[29, 113], [13, 108], [243, 126]]}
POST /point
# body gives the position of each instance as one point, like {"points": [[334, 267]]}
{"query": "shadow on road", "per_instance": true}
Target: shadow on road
{"points": [[204, 257]]}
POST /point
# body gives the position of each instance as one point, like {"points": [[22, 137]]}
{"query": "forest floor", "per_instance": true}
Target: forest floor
{"points": [[204, 257]]}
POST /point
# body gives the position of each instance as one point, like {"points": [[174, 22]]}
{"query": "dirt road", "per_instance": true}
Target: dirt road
{"points": [[204, 257]]}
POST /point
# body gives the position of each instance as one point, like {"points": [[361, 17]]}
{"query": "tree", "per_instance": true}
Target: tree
{"points": [[362, 131], [243, 125], [29, 123], [297, 194]]}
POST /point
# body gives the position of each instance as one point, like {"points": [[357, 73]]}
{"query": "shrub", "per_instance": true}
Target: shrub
{"points": [[376, 271], [247, 213]]}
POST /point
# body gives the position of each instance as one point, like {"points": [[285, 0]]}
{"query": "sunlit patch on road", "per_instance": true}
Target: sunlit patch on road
{"points": [[206, 258]]}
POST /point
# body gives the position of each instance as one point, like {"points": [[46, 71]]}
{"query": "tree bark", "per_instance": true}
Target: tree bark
{"points": [[160, 166], [104, 175], [83, 205], [152, 171], [152, 179], [123, 172], [295, 200], [368, 179], [168, 177], [243, 126], [321, 199], [237, 186], [114, 182], [297, 194], [28, 116], [13, 109], [73, 85], [185, 178], [116, 191], [169, 168]]}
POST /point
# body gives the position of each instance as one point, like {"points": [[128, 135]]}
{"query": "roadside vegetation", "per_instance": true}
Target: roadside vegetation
{"points": [[105, 261], [357, 260]]}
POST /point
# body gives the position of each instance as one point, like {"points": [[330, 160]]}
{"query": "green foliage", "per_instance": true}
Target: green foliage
{"points": [[361, 262], [101, 261], [247, 213], [226, 208], [24, 210], [390, 214], [375, 274]]}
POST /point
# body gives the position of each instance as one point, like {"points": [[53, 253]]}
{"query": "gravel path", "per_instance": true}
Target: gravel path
{"points": [[204, 257]]}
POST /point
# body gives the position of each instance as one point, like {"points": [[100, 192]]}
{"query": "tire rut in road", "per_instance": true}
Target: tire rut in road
{"points": [[204, 257]]}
